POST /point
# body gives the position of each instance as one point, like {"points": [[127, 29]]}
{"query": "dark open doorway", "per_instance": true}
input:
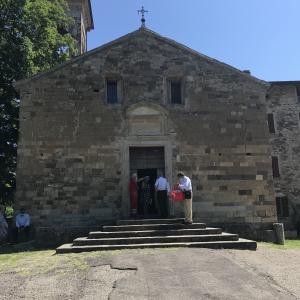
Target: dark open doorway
{"points": [[147, 161], [147, 209]]}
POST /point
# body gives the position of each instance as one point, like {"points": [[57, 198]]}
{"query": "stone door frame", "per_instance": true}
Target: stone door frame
{"points": [[142, 142]]}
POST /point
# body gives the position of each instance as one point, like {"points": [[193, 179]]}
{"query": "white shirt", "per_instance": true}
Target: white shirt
{"points": [[22, 220], [162, 184], [185, 184]]}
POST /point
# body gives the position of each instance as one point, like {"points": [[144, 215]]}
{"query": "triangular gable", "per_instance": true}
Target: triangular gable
{"points": [[151, 33]]}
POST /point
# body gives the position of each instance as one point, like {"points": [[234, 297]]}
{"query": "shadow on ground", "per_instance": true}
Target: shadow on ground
{"points": [[22, 247]]}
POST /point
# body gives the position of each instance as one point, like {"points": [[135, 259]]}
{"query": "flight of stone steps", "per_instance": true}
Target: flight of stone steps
{"points": [[156, 233]]}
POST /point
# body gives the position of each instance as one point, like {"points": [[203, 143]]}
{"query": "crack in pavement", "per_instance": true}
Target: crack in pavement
{"points": [[120, 268], [185, 273]]}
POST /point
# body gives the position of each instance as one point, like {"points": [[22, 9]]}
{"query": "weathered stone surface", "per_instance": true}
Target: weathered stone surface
{"points": [[73, 164], [81, 12], [283, 103]]}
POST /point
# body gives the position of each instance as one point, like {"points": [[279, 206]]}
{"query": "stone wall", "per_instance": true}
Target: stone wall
{"points": [[83, 22], [283, 103], [73, 166]]}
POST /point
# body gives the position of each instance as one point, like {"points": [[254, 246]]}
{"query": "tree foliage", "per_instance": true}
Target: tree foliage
{"points": [[34, 37], [48, 42]]}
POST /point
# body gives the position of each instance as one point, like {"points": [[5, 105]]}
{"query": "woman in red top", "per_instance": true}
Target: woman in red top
{"points": [[133, 190]]}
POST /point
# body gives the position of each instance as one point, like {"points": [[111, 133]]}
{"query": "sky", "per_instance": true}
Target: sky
{"points": [[262, 36]]}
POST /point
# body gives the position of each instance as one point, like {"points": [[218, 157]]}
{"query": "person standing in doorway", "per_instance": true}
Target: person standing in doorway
{"points": [[133, 190], [145, 198], [162, 189], [185, 185]]}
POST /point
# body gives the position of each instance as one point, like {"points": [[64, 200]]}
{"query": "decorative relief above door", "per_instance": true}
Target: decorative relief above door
{"points": [[146, 120]]}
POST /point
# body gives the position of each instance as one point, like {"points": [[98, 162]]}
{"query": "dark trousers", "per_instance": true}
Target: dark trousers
{"points": [[22, 234], [162, 200]]}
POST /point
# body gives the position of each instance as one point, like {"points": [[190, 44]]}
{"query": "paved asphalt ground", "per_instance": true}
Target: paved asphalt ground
{"points": [[167, 274]]}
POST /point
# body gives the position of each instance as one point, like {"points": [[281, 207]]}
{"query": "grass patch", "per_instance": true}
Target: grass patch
{"points": [[289, 244], [32, 262], [29, 263]]}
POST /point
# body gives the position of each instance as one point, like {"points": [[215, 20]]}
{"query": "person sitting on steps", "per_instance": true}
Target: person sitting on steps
{"points": [[23, 223]]}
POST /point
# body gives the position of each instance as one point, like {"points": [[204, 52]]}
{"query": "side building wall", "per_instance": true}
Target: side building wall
{"points": [[284, 106]]}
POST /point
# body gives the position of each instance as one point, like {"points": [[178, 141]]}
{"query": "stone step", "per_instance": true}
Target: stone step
{"points": [[170, 232], [84, 241], [149, 221], [240, 244], [152, 227]]}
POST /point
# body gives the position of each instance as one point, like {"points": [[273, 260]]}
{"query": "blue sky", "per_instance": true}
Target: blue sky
{"points": [[260, 35]]}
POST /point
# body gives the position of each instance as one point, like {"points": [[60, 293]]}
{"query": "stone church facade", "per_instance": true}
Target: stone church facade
{"points": [[144, 103]]}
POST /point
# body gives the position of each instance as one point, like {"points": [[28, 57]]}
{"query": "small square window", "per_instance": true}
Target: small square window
{"points": [[112, 91], [176, 90]]}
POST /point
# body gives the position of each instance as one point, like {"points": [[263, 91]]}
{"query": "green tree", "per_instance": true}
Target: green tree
{"points": [[34, 37]]}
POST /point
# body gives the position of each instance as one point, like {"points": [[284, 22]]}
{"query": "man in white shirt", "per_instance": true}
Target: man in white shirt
{"points": [[23, 222], [162, 189], [185, 185]]}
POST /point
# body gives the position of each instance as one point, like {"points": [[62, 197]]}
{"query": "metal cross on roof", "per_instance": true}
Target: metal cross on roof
{"points": [[143, 11]]}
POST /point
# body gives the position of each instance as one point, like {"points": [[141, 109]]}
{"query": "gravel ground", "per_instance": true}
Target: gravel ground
{"points": [[161, 274]]}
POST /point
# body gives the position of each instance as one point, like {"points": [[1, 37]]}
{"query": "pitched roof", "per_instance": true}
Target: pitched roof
{"points": [[146, 31]]}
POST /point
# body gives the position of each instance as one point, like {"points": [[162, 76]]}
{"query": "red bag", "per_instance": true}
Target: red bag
{"points": [[177, 195]]}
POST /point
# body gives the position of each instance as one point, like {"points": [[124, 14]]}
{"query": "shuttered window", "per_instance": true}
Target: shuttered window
{"points": [[112, 91], [176, 97], [271, 123], [275, 166]]}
